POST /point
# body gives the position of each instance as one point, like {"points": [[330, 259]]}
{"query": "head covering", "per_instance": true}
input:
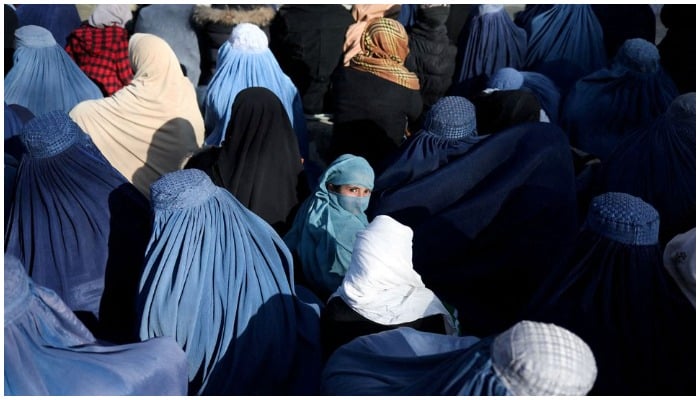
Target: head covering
{"points": [[568, 36], [172, 23], [624, 21], [147, 128], [529, 359], [104, 15], [383, 52], [506, 207], [679, 261], [615, 295], [259, 161], [246, 61], [323, 232], [449, 130], [656, 162], [59, 19], [49, 352], [500, 109], [606, 105], [219, 280], [362, 14], [380, 283], [44, 78], [539, 84], [491, 41], [77, 224]]}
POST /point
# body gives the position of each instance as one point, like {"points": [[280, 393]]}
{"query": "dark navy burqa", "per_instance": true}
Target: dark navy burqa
{"points": [[15, 118], [615, 293], [657, 164], [490, 223], [49, 352], [78, 226], [606, 105], [60, 19], [219, 280]]}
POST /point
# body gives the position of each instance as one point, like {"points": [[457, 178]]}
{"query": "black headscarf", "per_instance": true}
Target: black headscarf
{"points": [[501, 109]]}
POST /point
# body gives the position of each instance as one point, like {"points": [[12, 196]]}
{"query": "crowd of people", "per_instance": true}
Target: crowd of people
{"points": [[505, 204]]}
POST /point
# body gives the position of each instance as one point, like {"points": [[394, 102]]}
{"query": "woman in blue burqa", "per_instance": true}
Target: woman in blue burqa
{"points": [[220, 281], [49, 352], [78, 226], [615, 293], [490, 223], [44, 78], [528, 359]]}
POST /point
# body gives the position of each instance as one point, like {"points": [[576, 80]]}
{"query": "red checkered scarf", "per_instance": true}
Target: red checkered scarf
{"points": [[103, 54], [384, 47]]}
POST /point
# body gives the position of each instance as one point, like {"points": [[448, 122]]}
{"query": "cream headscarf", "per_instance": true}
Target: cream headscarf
{"points": [[149, 127], [381, 284]]}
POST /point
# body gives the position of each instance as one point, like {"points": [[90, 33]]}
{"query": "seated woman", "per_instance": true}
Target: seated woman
{"points": [[78, 226], [380, 290], [376, 87], [614, 293], [323, 232], [100, 47], [44, 78], [259, 161], [528, 359], [540, 85], [150, 126], [49, 352], [220, 281]]}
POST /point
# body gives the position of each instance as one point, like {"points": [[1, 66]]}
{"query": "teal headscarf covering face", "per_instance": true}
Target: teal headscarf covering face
{"points": [[323, 233]]}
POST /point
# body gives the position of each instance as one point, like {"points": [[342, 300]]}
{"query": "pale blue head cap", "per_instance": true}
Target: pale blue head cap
{"points": [[50, 134], [624, 218], [638, 55], [451, 117], [182, 189], [248, 38], [349, 169], [506, 79], [34, 36]]}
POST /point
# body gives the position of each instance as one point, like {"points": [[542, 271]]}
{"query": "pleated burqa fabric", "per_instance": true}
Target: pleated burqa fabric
{"points": [[59, 19], [244, 61], [49, 352], [15, 118], [528, 359], [492, 42], [78, 226], [491, 223], [615, 293], [219, 280], [259, 161], [605, 106], [657, 164], [565, 43], [149, 127], [44, 78]]}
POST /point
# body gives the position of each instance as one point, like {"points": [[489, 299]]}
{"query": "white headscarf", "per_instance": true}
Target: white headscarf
{"points": [[679, 260], [149, 127], [381, 284], [110, 14]]}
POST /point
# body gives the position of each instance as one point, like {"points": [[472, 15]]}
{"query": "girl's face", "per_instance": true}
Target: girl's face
{"points": [[350, 190]]}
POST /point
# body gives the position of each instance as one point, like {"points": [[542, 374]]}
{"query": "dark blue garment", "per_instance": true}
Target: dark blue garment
{"points": [[489, 224], [606, 105], [407, 362], [15, 118], [491, 41], [615, 294], [78, 226], [49, 352], [219, 280], [539, 84], [569, 37], [657, 164], [524, 18], [60, 19], [624, 21], [407, 15]]}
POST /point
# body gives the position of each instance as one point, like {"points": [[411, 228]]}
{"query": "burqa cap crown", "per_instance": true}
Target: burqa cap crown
{"points": [[540, 359], [638, 55], [33, 36], [624, 218], [50, 134], [490, 8], [451, 117], [507, 79], [249, 38], [683, 106], [181, 189]]}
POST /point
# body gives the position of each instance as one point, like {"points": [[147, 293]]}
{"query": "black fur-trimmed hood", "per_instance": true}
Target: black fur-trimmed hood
{"points": [[233, 14]]}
